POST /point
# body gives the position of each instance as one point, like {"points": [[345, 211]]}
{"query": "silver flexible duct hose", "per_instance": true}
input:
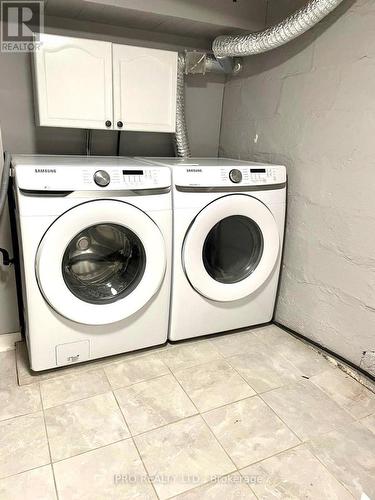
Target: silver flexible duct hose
{"points": [[253, 43], [4, 181], [288, 29], [181, 136]]}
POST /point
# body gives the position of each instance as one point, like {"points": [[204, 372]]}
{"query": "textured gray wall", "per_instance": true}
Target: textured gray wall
{"points": [[311, 106]]}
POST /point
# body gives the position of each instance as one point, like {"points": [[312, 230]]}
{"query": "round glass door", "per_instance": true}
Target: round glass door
{"points": [[233, 249], [103, 263], [100, 262]]}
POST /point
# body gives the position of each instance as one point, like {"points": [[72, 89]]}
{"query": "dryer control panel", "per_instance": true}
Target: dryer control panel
{"points": [[240, 176], [222, 173]]}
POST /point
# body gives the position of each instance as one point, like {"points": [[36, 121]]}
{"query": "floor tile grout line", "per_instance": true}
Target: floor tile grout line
{"points": [[119, 407], [204, 484], [267, 458], [259, 394], [356, 419], [135, 445], [298, 445], [152, 351], [227, 404], [290, 384], [287, 425], [133, 435], [122, 413], [49, 451], [333, 401], [145, 468], [131, 356], [329, 472], [266, 391], [22, 415], [300, 373], [139, 382], [205, 423], [170, 372], [26, 470], [164, 425], [282, 420], [77, 400], [224, 404]]}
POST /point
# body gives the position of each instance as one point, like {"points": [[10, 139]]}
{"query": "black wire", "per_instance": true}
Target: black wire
{"points": [[88, 142], [118, 143]]}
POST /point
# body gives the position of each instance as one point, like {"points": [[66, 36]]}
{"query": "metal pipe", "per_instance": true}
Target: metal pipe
{"points": [[182, 145], [288, 29]]}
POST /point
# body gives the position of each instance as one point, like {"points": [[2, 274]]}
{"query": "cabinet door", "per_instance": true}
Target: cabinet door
{"points": [[144, 89], [74, 82]]}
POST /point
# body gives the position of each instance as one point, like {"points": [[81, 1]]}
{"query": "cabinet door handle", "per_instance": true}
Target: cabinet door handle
{"points": [[120, 124], [108, 123]]}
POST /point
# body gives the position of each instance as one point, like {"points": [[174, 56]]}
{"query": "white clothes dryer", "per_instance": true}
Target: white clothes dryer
{"points": [[228, 234]]}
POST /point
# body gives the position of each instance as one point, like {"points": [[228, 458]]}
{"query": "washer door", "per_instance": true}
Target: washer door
{"points": [[231, 248], [100, 262]]}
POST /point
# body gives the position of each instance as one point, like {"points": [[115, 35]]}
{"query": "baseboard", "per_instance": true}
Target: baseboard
{"points": [[7, 341], [356, 372]]}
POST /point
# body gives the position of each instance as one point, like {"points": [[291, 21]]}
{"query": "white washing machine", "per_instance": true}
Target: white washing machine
{"points": [[95, 243], [228, 227]]}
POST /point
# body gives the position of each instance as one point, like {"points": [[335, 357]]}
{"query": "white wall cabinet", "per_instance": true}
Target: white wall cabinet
{"points": [[144, 88], [95, 84], [74, 82]]}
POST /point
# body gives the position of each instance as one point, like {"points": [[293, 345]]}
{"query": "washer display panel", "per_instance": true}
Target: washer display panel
{"points": [[231, 248], [103, 263], [100, 262]]}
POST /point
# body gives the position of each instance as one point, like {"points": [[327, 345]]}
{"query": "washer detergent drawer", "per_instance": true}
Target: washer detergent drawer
{"points": [[73, 352]]}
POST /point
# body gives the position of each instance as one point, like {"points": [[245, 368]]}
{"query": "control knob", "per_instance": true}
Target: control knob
{"points": [[235, 175], [102, 178]]}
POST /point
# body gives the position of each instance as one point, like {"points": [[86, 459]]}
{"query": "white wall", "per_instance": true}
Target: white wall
{"points": [[20, 135], [8, 297], [311, 105]]}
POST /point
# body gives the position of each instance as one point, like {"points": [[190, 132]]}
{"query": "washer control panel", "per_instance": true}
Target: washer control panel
{"points": [[91, 177], [129, 178]]}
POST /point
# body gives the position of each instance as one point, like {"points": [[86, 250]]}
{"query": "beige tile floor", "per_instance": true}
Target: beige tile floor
{"points": [[256, 414]]}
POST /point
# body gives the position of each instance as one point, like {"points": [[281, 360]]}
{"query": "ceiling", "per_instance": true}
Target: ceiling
{"points": [[204, 19]]}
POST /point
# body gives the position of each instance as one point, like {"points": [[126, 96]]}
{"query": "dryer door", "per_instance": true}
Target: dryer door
{"points": [[231, 248], [100, 262]]}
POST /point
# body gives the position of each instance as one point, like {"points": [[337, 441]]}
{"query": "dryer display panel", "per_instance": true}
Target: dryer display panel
{"points": [[103, 263]]}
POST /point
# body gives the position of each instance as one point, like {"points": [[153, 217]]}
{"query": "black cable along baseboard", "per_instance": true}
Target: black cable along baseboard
{"points": [[328, 351]]}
